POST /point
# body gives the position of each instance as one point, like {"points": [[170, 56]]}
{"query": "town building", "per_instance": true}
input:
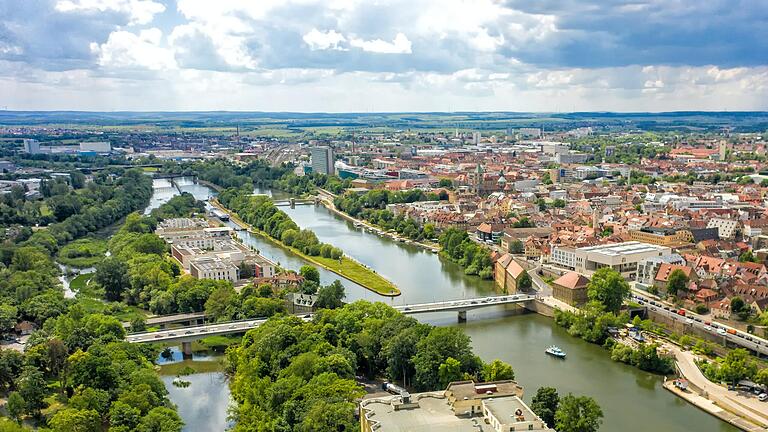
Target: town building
{"points": [[507, 274], [464, 406], [726, 228], [622, 257], [571, 288], [648, 268]]}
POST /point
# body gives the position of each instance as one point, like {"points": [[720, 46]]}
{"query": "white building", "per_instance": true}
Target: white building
{"points": [[726, 228], [647, 268], [214, 268], [322, 160], [622, 257], [96, 147]]}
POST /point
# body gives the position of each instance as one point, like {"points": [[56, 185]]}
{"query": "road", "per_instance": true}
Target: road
{"points": [[746, 406], [194, 332], [187, 334], [737, 337]]}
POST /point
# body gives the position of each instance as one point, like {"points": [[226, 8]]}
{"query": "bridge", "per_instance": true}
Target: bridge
{"points": [[187, 335], [462, 306], [293, 202]]}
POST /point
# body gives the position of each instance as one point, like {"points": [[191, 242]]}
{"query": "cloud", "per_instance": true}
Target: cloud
{"points": [[394, 54], [128, 50], [318, 40], [400, 45], [138, 11]]}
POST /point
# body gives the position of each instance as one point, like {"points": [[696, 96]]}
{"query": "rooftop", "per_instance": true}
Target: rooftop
{"points": [[626, 248]]}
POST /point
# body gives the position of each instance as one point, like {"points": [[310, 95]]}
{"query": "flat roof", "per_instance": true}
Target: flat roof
{"points": [[432, 414], [626, 248]]}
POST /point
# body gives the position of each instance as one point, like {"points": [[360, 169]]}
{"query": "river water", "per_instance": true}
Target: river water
{"points": [[632, 400]]}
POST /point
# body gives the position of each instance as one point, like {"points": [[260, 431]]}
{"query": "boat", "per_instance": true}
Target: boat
{"points": [[434, 250], [555, 351]]}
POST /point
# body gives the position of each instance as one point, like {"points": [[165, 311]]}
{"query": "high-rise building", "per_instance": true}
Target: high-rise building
{"points": [[322, 160], [476, 138], [31, 146]]}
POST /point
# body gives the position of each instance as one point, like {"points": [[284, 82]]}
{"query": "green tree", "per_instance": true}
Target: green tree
{"points": [[16, 406], [112, 275], [122, 414], [310, 273], [8, 316], [737, 304], [331, 296], [748, 256], [676, 282], [449, 371], [161, 419], [524, 282], [736, 366], [75, 420], [578, 414], [609, 288], [91, 399], [497, 370], [516, 247], [545, 404], [33, 389]]}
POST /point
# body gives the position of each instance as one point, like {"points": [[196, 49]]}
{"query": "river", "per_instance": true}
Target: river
{"points": [[632, 400]]}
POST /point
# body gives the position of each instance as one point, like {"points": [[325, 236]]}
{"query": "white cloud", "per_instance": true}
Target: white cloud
{"points": [[6, 48], [400, 45], [128, 50], [139, 11], [330, 39]]}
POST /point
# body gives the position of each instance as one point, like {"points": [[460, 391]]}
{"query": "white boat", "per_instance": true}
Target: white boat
{"points": [[555, 351]]}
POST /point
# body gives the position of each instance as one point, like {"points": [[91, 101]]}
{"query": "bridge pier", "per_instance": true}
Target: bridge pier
{"points": [[186, 350], [462, 316]]}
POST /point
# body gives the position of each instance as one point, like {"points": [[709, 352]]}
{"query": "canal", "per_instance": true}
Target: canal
{"points": [[632, 400]]}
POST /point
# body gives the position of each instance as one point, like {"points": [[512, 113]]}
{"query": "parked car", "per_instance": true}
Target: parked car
{"points": [[762, 397]]}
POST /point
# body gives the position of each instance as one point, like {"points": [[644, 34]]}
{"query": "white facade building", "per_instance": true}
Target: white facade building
{"points": [[96, 147], [726, 228]]}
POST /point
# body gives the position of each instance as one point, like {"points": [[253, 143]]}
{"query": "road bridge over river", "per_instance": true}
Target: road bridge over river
{"points": [[187, 335]]}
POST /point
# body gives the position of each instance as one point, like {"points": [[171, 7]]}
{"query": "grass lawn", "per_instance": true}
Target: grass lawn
{"points": [[358, 273], [347, 268], [198, 366], [218, 343], [80, 282], [83, 253], [120, 311]]}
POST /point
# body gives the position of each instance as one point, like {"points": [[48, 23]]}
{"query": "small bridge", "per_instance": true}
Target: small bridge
{"points": [[293, 202], [187, 335]]}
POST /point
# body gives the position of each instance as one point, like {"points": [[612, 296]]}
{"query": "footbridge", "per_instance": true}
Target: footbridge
{"points": [[187, 335]]}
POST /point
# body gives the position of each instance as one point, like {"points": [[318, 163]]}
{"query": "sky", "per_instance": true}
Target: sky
{"points": [[376, 56]]}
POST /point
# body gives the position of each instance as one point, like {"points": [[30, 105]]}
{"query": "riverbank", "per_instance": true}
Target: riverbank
{"points": [[746, 413], [327, 203], [347, 267], [213, 186]]}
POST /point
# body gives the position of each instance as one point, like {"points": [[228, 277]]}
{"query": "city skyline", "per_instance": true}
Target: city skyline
{"points": [[352, 56]]}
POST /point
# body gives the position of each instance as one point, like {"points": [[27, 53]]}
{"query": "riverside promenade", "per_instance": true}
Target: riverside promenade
{"points": [[745, 412]]}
